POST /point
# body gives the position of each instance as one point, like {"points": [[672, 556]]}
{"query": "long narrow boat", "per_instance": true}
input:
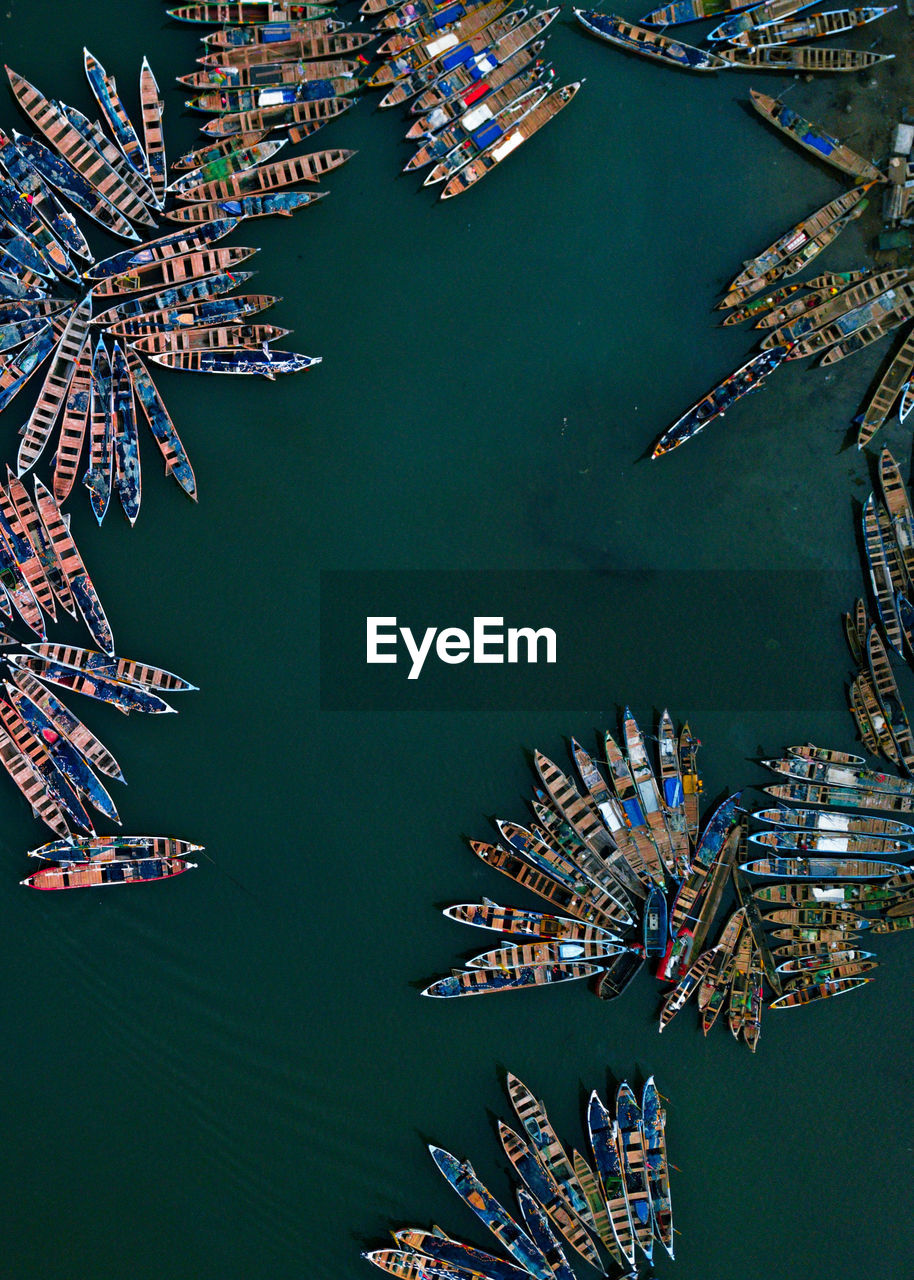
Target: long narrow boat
{"points": [[630, 1132], [818, 991], [741, 382], [73, 425], [627, 792], [99, 473], [73, 569], [791, 241], [160, 424], [713, 842], [245, 12], [802, 57], [72, 728], [111, 667], [17, 589], [853, 780], [832, 956], [246, 104], [549, 1150], [168, 246], [833, 307], [54, 391], [124, 697], [499, 150], [822, 868], [813, 138], [30, 521], [809, 26], [114, 848], [545, 953], [851, 895], [648, 791], [510, 864], [269, 75], [284, 42], [461, 77], [600, 1224], [271, 177], [704, 908], [818, 919], [283, 203], [106, 95], [757, 15], [64, 178], [893, 381], [32, 786], [462, 1177], [657, 1164], [880, 575], [194, 290], [543, 1186], [673, 792], [898, 507], [441, 1248], [310, 114], [91, 875], [253, 337], [175, 271], [15, 310], [603, 1131], [475, 982], [234, 162], [679, 11], [889, 698], [871, 724], [752, 1025], [41, 199], [127, 471], [194, 315], [153, 109], [715, 984], [224, 360], [650, 44], [831, 842]]}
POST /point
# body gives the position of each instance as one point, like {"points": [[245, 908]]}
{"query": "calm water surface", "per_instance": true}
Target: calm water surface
{"points": [[233, 1076]]}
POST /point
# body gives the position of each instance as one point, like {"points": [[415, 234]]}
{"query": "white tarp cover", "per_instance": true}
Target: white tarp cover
{"points": [[473, 119], [833, 822], [903, 140], [440, 46], [827, 895], [510, 143], [833, 845]]}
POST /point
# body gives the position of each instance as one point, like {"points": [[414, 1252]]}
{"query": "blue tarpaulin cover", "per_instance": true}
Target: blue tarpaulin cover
{"points": [[488, 133]]}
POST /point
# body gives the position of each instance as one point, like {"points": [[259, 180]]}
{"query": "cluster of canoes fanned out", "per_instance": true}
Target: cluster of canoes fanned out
{"points": [[631, 876], [830, 314], [168, 301], [764, 37], [875, 638], [470, 71], [611, 1206]]}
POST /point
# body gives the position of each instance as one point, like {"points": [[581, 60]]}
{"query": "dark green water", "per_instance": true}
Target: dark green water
{"points": [[233, 1076]]}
